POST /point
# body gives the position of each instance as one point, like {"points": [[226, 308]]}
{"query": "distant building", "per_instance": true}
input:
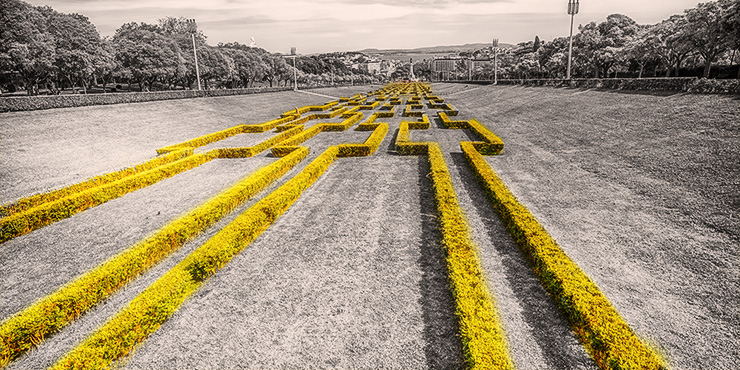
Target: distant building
{"points": [[442, 68], [371, 67], [475, 63]]}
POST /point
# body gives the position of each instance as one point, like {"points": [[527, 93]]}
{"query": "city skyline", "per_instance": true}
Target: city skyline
{"points": [[344, 25]]}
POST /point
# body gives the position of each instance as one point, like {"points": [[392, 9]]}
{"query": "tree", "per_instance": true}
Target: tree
{"points": [[553, 57], [146, 54], [731, 26], [600, 45], [669, 42], [26, 46], [639, 50], [704, 29], [536, 44], [105, 62], [77, 46]]}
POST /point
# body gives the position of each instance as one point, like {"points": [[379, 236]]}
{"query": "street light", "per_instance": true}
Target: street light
{"points": [[295, 71], [193, 27], [495, 64], [572, 10]]}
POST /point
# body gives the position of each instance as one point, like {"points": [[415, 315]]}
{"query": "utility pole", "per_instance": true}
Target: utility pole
{"points": [[194, 28], [572, 10]]}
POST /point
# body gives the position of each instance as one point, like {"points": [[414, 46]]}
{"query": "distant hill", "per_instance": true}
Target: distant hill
{"points": [[433, 49]]}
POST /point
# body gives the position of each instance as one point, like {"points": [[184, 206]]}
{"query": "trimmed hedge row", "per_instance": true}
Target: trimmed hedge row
{"points": [[31, 219], [367, 148], [404, 145], [606, 336], [45, 214], [677, 84], [490, 144], [370, 106], [483, 339], [47, 316], [26, 103], [451, 124], [309, 108], [203, 140], [269, 125], [280, 150], [38, 199], [220, 135], [146, 313], [409, 113], [424, 124]]}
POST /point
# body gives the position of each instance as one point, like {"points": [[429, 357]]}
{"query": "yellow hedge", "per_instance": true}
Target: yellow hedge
{"points": [[483, 339], [606, 336], [32, 219], [370, 145], [144, 315], [36, 200], [45, 317], [203, 140]]}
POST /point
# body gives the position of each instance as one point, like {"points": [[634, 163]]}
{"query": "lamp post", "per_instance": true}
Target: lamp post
{"points": [[495, 64], [295, 71], [572, 10], [193, 27]]}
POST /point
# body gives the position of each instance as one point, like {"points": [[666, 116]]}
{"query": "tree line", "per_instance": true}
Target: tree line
{"points": [[701, 37], [41, 48]]}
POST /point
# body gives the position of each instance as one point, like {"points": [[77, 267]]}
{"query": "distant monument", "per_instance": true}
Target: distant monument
{"points": [[411, 70], [253, 44]]}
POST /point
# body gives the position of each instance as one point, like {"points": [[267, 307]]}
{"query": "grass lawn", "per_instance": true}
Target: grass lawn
{"points": [[641, 191]]}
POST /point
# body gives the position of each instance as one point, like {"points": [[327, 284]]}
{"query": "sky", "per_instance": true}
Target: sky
{"points": [[317, 26]]}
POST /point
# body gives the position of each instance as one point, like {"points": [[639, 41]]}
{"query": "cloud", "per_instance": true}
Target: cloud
{"points": [[335, 25]]}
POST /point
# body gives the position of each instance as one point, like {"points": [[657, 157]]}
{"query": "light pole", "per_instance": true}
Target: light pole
{"points": [[572, 10], [193, 27], [495, 64], [295, 71]]}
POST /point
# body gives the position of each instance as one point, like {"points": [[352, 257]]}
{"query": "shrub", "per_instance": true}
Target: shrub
{"points": [[45, 214], [26, 103], [483, 339]]}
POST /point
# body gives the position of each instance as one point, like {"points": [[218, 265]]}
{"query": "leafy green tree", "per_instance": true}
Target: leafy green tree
{"points": [[105, 62], [553, 57], [640, 50]]}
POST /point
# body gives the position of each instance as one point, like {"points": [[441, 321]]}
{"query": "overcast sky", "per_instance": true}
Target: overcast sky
{"points": [[343, 25]]}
